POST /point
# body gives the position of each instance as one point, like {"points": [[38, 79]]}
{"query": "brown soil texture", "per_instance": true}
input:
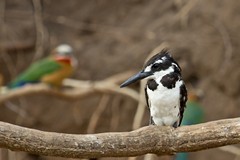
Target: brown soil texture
{"points": [[111, 37]]}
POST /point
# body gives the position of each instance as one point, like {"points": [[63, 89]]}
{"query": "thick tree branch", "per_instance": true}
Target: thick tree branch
{"points": [[151, 139]]}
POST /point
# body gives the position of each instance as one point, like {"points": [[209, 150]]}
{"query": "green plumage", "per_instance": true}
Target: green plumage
{"points": [[193, 114], [35, 72]]}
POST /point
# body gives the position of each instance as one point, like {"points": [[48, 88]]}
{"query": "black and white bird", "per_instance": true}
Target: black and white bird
{"points": [[165, 91]]}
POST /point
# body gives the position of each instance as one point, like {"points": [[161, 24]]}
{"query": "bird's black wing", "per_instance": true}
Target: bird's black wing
{"points": [[151, 122], [183, 100], [146, 96]]}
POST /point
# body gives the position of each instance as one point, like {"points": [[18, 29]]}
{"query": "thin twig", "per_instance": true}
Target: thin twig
{"points": [[184, 12], [115, 113], [6, 58], [22, 111], [97, 113], [15, 109], [140, 108], [76, 112], [227, 45], [40, 30]]}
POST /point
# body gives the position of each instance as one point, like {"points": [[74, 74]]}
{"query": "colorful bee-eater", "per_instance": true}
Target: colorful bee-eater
{"points": [[51, 70]]}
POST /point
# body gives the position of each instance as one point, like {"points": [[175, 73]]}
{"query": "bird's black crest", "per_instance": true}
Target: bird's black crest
{"points": [[166, 63], [163, 53]]}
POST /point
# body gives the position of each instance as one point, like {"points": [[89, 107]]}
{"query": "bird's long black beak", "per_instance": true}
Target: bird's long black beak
{"points": [[135, 78]]}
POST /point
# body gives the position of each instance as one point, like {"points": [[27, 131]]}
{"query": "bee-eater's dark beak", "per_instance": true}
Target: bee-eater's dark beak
{"points": [[135, 78]]}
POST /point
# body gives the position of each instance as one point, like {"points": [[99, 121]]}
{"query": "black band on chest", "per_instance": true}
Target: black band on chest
{"points": [[169, 80], [152, 84]]}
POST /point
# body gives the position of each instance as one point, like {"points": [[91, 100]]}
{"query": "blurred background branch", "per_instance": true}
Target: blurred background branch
{"points": [[81, 90]]}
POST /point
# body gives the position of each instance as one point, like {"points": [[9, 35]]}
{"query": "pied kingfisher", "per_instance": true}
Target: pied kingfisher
{"points": [[165, 91]]}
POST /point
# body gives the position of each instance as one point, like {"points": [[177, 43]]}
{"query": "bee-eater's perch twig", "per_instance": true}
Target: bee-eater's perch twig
{"points": [[151, 139], [80, 89]]}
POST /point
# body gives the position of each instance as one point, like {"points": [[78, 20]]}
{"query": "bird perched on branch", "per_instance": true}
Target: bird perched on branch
{"points": [[51, 70], [165, 91]]}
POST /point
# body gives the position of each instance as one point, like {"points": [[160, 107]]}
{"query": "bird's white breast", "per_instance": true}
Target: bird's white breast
{"points": [[164, 104]]}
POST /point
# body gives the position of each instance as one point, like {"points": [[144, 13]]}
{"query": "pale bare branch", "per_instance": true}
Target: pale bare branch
{"points": [[81, 89], [151, 139]]}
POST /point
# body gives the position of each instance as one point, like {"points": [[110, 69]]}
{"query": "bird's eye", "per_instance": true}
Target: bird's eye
{"points": [[155, 66]]}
